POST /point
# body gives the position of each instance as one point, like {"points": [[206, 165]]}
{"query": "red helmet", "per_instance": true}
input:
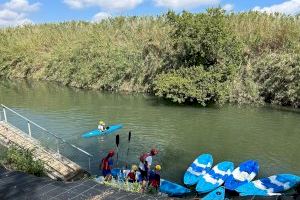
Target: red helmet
{"points": [[111, 153], [154, 151]]}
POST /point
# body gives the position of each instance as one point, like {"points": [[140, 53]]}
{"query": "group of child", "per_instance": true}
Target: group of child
{"points": [[149, 178]]}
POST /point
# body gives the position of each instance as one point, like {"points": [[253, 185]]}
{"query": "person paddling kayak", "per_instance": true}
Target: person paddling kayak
{"points": [[101, 126]]}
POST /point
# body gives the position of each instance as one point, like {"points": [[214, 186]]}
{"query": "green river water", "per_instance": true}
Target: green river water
{"points": [[270, 135]]}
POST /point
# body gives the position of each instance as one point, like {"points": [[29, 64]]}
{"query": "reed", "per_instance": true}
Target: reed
{"points": [[135, 53]]}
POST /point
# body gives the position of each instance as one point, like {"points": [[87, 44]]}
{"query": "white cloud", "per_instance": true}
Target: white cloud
{"points": [[101, 16], [104, 4], [185, 4], [228, 7], [14, 12], [290, 7], [11, 18], [21, 6]]}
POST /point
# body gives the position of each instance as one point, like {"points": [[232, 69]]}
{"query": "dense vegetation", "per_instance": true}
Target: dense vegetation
{"points": [[21, 160], [187, 58]]}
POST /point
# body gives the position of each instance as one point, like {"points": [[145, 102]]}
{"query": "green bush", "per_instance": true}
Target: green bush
{"points": [[22, 160], [203, 39], [278, 77], [192, 84]]}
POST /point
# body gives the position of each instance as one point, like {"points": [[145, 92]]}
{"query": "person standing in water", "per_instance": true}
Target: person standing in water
{"points": [[106, 165]]}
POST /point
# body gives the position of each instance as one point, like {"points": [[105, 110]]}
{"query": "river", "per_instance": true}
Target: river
{"points": [[270, 135]]}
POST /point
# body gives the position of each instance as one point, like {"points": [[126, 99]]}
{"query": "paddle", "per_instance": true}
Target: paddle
{"points": [[117, 143], [129, 138]]}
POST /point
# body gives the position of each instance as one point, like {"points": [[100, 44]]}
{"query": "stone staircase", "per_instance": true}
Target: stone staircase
{"points": [[56, 165]]}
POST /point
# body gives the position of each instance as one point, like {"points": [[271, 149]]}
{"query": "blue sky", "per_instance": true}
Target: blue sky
{"points": [[14, 12]]}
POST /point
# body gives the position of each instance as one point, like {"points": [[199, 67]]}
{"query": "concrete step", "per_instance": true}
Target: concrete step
{"points": [[57, 167]]}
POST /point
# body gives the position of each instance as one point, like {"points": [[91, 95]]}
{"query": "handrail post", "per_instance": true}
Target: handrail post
{"points": [[29, 128], [58, 139], [57, 146], [4, 113]]}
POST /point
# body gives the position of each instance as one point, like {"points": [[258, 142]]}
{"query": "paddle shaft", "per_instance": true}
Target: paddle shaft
{"points": [[129, 138], [117, 143]]}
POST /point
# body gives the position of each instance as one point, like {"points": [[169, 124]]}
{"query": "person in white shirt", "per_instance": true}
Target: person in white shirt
{"points": [[145, 165], [101, 126]]}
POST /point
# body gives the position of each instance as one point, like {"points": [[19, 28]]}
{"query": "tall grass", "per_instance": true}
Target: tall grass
{"points": [[117, 54], [130, 53]]}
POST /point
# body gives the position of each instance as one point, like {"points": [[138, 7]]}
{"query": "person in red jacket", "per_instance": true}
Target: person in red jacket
{"points": [[106, 165], [154, 179]]}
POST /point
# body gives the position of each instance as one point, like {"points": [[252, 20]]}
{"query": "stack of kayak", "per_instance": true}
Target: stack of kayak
{"points": [[210, 180], [207, 180]]}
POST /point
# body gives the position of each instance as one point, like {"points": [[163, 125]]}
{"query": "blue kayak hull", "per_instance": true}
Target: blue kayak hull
{"points": [[217, 194], [243, 174], [201, 165], [215, 177], [111, 129], [270, 186], [172, 189]]}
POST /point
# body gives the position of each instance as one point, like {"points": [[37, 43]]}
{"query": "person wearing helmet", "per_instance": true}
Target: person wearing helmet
{"points": [[145, 165], [154, 179], [106, 165], [101, 126]]}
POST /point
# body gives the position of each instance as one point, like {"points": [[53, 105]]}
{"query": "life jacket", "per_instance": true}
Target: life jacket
{"points": [[105, 164], [154, 179], [155, 183], [143, 157], [131, 176]]}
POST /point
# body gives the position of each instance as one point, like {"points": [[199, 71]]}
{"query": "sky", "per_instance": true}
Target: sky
{"points": [[18, 12]]}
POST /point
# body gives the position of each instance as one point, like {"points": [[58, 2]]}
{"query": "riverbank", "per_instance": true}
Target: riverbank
{"points": [[18, 185], [253, 58]]}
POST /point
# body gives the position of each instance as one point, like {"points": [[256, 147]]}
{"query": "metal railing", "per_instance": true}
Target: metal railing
{"points": [[58, 139]]}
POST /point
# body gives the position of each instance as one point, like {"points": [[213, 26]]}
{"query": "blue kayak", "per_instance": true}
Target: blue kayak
{"points": [[243, 174], [199, 167], [215, 177], [269, 186], [117, 172], [111, 129], [172, 189], [217, 194]]}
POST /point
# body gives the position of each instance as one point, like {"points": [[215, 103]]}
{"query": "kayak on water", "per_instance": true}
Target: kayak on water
{"points": [[109, 130], [243, 174], [217, 194], [172, 189], [271, 186], [215, 177], [201, 165]]}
